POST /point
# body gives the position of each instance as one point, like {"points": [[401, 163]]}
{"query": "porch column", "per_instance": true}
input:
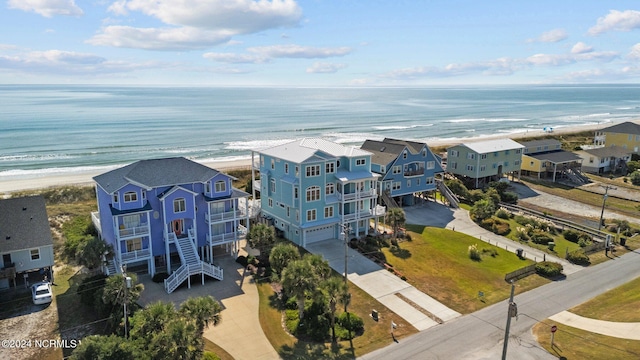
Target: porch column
{"points": [[555, 168]]}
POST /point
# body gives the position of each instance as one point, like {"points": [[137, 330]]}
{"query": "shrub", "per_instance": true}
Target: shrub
{"points": [[491, 252], [503, 214], [548, 269], [635, 178], [541, 238], [501, 228], [160, 277], [242, 260], [578, 257], [474, 253], [208, 355], [509, 197], [351, 322], [571, 235], [584, 241]]}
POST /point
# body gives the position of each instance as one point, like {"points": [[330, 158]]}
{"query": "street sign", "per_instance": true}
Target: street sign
{"points": [[554, 328]]}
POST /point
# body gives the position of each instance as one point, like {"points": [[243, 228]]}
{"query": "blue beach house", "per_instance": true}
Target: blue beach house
{"points": [[313, 190], [405, 167], [170, 213]]}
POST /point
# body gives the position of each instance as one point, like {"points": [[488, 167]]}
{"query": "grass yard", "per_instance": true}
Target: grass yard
{"points": [[575, 344], [437, 263], [376, 334], [619, 304]]}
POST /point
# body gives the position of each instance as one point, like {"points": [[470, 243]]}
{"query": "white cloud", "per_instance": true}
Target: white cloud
{"points": [[325, 68], [209, 22], [297, 51], [581, 48], [550, 59], [617, 21], [184, 38], [634, 54], [233, 58], [550, 36], [47, 8]]}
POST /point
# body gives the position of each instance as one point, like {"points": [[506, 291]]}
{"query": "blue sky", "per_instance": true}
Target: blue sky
{"points": [[318, 42]]}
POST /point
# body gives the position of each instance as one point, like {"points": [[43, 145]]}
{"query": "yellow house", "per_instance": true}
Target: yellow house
{"points": [[545, 159], [625, 135]]}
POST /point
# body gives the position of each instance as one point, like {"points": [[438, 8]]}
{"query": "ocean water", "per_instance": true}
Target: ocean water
{"points": [[62, 129]]}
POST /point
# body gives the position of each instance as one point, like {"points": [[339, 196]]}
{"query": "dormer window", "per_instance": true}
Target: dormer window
{"points": [[130, 196], [221, 186]]}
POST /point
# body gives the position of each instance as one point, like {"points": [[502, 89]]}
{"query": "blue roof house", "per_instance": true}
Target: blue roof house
{"points": [[313, 189], [152, 209], [405, 167]]}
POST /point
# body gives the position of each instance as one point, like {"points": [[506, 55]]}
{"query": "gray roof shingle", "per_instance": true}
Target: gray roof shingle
{"points": [[24, 224], [156, 173], [623, 128]]}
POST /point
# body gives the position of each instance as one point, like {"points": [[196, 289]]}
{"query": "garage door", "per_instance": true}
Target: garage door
{"points": [[319, 234]]}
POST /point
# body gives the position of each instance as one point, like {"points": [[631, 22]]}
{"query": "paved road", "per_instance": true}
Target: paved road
{"points": [[480, 335]]}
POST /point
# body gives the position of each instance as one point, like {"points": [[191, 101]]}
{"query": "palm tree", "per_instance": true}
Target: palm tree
{"points": [[261, 237], [147, 323], [319, 265], [396, 219], [114, 294], [202, 310], [335, 290], [281, 255], [298, 279]]}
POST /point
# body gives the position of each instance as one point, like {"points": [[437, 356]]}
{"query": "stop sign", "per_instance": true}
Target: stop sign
{"points": [[554, 328]]}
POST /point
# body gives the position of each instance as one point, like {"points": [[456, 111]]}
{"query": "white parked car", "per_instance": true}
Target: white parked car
{"points": [[41, 293]]}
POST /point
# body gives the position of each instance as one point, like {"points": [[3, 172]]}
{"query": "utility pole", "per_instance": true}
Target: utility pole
{"points": [[345, 233], [604, 200], [512, 312], [127, 285]]}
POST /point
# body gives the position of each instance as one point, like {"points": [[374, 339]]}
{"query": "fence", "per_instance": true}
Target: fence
{"points": [[520, 273]]}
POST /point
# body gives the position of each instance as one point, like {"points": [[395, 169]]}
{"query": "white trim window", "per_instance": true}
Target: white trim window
{"points": [[330, 189], [179, 205], [397, 169], [286, 168], [313, 193], [330, 167], [328, 212], [312, 215], [221, 186], [312, 170], [471, 156], [396, 185], [35, 254], [360, 162], [431, 165], [115, 198], [130, 196], [469, 167], [272, 185]]}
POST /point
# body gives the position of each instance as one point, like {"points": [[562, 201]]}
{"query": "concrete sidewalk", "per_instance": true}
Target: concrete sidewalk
{"points": [[384, 286], [622, 330]]}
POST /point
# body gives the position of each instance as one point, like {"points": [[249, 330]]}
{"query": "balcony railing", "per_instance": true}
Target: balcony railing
{"points": [[414, 172], [359, 215], [226, 216], [356, 195], [239, 234], [134, 231], [135, 255]]}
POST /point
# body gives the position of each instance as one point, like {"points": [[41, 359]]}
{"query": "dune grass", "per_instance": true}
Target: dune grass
{"points": [[437, 263]]}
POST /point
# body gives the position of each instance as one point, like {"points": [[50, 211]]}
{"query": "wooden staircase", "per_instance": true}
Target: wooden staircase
{"points": [[191, 263]]}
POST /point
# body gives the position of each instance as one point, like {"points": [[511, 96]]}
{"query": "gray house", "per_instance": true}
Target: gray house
{"points": [[26, 244]]}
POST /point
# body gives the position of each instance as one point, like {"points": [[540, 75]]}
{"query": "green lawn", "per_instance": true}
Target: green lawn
{"points": [[437, 263], [576, 344], [376, 334], [619, 304]]}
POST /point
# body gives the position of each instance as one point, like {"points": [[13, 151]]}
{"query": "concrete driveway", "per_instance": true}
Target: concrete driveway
{"points": [[385, 287]]}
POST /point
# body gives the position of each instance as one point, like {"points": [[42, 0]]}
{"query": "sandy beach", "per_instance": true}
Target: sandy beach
{"points": [[86, 178]]}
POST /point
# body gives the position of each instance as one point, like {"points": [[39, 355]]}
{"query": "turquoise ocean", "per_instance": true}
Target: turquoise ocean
{"points": [[65, 129]]}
